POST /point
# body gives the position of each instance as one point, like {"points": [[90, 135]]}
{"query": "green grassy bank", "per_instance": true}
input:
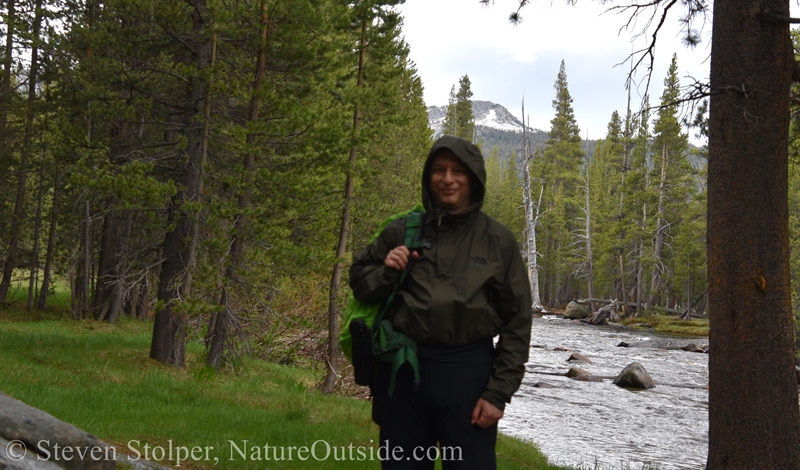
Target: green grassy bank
{"points": [[99, 377], [671, 325]]}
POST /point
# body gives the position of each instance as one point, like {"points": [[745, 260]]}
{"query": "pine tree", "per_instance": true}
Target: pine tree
{"points": [[671, 177], [449, 126], [459, 119], [605, 180], [559, 168], [638, 205]]}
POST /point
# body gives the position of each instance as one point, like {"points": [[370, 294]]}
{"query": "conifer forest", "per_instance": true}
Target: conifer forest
{"points": [[211, 165]]}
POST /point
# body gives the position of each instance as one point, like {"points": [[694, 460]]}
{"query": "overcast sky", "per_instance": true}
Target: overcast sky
{"points": [[450, 38]]}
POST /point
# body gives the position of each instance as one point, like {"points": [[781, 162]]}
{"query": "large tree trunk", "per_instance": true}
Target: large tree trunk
{"points": [[169, 329], [107, 290], [336, 276], [754, 420], [218, 326]]}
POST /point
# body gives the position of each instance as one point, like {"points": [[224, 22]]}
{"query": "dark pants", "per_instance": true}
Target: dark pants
{"points": [[439, 412]]}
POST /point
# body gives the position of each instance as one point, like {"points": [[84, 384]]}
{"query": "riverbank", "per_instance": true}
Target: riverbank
{"points": [[669, 325], [98, 377], [663, 324]]}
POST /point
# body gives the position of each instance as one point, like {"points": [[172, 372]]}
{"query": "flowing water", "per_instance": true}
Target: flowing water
{"points": [[600, 425]]}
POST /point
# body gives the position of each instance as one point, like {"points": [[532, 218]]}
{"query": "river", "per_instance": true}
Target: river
{"points": [[599, 425]]}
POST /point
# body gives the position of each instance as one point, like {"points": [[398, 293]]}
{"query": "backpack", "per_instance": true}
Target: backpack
{"points": [[367, 333]]}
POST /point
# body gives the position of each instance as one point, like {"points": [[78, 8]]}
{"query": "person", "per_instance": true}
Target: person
{"points": [[467, 285]]}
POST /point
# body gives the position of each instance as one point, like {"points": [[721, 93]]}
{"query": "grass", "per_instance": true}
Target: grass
{"points": [[669, 325], [58, 300], [99, 377]]}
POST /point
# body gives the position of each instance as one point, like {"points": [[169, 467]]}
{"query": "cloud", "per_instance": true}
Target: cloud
{"points": [[450, 38]]}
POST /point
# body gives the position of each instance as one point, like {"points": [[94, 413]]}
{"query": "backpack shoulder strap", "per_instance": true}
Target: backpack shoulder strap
{"points": [[415, 224]]}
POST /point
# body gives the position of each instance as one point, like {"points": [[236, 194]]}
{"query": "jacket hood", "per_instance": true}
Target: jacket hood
{"points": [[470, 155]]}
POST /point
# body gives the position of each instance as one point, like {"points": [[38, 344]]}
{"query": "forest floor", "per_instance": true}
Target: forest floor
{"points": [[98, 376]]}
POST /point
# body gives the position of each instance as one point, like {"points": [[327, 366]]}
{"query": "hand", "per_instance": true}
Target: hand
{"points": [[398, 258], [485, 414]]}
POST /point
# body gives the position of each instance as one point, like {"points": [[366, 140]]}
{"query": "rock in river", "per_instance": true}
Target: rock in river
{"points": [[634, 376], [575, 311]]}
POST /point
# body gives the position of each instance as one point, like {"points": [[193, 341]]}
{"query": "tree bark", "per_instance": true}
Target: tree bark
{"points": [[169, 329], [754, 419], [341, 246], [37, 223], [5, 91], [82, 275], [51, 243], [218, 327], [19, 203], [531, 218], [108, 265]]}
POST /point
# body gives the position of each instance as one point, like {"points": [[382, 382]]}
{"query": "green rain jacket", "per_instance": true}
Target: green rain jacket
{"points": [[469, 283]]}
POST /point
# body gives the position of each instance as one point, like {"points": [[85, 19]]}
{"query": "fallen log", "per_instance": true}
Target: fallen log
{"points": [[606, 314]]}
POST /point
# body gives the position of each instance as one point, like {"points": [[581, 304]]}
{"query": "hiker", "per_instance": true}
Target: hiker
{"points": [[466, 285]]}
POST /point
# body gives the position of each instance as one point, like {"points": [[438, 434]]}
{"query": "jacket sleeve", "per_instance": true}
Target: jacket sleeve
{"points": [[513, 304], [371, 280]]}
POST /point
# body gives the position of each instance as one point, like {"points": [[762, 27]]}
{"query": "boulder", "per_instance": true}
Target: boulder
{"points": [[691, 347], [576, 311], [40, 432], [634, 376], [577, 372], [581, 375], [580, 358]]}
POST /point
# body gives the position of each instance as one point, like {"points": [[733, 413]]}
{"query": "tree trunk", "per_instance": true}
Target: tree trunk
{"points": [[19, 203], [37, 223], [143, 309], [754, 419], [82, 275], [108, 265], [625, 156], [5, 91], [336, 276], [531, 218], [169, 329], [51, 243], [658, 246], [218, 327], [589, 254]]}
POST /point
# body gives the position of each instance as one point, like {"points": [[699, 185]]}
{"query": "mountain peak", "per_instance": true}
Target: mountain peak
{"points": [[487, 114]]}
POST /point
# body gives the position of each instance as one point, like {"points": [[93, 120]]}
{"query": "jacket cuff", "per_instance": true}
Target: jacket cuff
{"points": [[489, 396]]}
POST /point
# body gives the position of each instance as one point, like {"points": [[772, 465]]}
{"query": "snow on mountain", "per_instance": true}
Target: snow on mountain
{"points": [[487, 114]]}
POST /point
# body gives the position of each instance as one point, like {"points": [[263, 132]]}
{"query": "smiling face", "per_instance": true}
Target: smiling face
{"points": [[450, 183]]}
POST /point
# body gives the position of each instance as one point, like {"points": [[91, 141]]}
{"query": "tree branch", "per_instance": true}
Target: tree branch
{"points": [[778, 18]]}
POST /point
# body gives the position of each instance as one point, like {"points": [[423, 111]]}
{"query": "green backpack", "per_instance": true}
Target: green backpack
{"points": [[386, 343]]}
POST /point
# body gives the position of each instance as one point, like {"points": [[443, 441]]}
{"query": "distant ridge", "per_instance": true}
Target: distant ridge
{"points": [[487, 114], [495, 126]]}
